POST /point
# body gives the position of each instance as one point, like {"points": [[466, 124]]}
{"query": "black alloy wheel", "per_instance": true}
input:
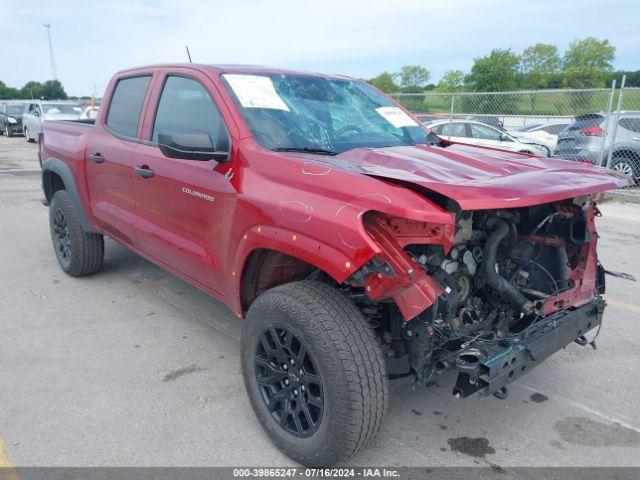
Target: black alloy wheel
{"points": [[78, 252], [62, 240], [289, 382]]}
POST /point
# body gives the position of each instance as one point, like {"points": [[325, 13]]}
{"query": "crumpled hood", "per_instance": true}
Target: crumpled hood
{"points": [[480, 178]]}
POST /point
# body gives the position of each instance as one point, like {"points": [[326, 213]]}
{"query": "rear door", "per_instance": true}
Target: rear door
{"points": [[186, 206], [110, 157], [30, 117]]}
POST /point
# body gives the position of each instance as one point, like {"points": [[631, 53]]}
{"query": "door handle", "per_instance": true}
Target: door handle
{"points": [[97, 158], [143, 171], [636, 138]]}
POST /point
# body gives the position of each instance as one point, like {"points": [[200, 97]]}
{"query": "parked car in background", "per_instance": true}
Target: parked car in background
{"points": [[584, 139], [478, 133], [490, 120], [38, 111], [90, 113], [11, 118], [544, 134], [430, 117]]}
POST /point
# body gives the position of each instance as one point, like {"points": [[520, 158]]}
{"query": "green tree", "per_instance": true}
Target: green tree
{"points": [[413, 77], [495, 72], [451, 81], [32, 90], [538, 64], [587, 63], [53, 90], [7, 93], [385, 82], [633, 77]]}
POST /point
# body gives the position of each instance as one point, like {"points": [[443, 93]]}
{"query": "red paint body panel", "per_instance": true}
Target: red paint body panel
{"points": [[308, 206]]}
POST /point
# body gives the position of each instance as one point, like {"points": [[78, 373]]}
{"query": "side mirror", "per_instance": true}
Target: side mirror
{"points": [[194, 145], [36, 113]]}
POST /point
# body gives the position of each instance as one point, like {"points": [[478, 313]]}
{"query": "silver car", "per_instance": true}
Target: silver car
{"points": [[38, 111], [584, 139]]}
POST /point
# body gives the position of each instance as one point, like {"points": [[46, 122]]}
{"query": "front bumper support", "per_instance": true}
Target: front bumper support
{"points": [[485, 366]]}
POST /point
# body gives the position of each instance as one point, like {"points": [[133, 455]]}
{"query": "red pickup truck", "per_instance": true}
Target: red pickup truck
{"points": [[358, 247]]}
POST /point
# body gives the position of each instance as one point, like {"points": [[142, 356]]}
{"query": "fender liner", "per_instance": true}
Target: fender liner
{"points": [[60, 168]]}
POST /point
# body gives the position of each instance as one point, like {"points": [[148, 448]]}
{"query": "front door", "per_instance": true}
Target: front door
{"points": [[491, 137], [185, 206]]}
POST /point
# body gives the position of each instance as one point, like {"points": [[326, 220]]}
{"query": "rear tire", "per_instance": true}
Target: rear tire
{"points": [[329, 348], [78, 252]]}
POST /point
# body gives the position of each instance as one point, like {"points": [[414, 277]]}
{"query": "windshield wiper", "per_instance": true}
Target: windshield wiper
{"points": [[320, 151]]}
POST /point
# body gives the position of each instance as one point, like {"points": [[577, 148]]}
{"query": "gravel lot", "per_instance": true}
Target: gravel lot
{"points": [[133, 367]]}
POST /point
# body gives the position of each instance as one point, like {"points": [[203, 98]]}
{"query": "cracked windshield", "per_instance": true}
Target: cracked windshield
{"points": [[320, 115]]}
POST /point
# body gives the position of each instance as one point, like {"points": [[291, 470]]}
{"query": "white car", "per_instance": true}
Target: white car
{"points": [[477, 133], [546, 134], [38, 111], [90, 113]]}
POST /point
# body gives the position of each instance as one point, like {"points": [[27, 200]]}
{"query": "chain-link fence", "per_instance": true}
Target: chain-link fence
{"points": [[600, 126], [622, 148]]}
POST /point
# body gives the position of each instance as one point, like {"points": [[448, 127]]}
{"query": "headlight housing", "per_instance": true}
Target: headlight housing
{"points": [[12, 120]]}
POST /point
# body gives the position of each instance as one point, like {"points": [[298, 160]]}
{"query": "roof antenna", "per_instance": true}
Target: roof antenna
{"points": [[188, 54]]}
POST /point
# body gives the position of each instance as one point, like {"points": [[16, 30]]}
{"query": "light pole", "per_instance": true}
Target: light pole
{"points": [[54, 73]]}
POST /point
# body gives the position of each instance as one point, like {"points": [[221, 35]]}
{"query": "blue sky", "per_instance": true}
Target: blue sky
{"points": [[360, 38]]}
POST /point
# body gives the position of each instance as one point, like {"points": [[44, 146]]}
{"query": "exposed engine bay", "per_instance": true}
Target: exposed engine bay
{"points": [[514, 285]]}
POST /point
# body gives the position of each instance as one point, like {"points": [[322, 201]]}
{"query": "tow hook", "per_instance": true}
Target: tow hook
{"points": [[502, 393], [583, 341]]}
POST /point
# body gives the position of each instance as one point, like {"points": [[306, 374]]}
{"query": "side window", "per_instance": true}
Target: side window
{"points": [[33, 108], [456, 129], [554, 129], [485, 133], [632, 123], [437, 129], [126, 105], [185, 106]]}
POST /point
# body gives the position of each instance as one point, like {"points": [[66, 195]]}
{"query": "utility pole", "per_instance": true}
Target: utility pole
{"points": [[54, 73]]}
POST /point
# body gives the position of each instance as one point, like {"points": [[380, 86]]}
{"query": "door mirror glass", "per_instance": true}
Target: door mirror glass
{"points": [[191, 145]]}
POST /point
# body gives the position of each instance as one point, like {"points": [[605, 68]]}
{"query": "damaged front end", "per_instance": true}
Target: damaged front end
{"points": [[490, 296]]}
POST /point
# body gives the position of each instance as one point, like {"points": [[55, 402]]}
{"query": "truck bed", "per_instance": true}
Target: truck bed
{"points": [[64, 139]]}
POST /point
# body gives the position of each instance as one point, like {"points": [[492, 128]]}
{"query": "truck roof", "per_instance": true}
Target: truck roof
{"points": [[234, 68]]}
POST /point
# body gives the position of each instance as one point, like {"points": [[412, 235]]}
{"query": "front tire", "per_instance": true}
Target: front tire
{"points": [[79, 253], [26, 135], [7, 131], [314, 372], [626, 166]]}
